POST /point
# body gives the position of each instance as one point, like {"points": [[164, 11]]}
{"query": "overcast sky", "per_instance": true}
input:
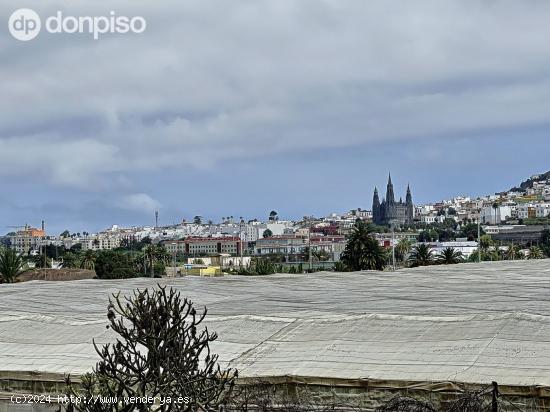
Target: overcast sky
{"points": [[240, 107]]}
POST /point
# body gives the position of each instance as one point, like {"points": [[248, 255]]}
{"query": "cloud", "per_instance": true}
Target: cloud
{"points": [[139, 202], [211, 81]]}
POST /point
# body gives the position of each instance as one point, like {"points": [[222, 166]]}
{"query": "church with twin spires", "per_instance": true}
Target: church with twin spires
{"points": [[390, 212]]}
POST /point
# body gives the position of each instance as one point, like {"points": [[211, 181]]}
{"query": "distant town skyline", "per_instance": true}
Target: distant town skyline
{"points": [[430, 185], [239, 108]]}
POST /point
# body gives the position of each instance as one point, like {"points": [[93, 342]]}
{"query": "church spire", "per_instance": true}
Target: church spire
{"points": [[376, 217], [390, 197], [408, 199]]}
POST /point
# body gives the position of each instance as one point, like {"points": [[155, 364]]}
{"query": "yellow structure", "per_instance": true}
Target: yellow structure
{"points": [[202, 270]]}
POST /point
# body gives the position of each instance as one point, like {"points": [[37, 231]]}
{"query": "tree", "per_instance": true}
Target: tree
{"points": [[512, 253], [162, 351], [65, 233], [535, 252], [77, 247], [88, 260], [110, 264], [362, 251], [273, 215], [197, 220], [485, 242], [469, 231], [429, 235], [11, 265], [41, 261], [264, 267], [70, 260], [450, 256], [162, 257], [267, 233], [421, 255], [402, 249]]}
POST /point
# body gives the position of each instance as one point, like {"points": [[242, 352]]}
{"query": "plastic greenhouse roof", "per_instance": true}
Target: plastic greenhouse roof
{"points": [[463, 323]]}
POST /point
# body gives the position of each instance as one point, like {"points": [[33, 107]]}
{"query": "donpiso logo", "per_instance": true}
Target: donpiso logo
{"points": [[25, 24]]}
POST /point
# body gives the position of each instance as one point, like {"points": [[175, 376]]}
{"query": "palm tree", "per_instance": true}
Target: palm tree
{"points": [[535, 252], [513, 252], [363, 252], [162, 255], [42, 261], [88, 260], [403, 248], [421, 255], [149, 253], [11, 265], [450, 256], [70, 260]]}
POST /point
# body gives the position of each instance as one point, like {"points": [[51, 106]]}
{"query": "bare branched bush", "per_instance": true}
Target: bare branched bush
{"points": [[161, 360]]}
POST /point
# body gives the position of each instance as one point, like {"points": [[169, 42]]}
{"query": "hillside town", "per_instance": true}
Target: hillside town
{"points": [[516, 217], [274, 206]]}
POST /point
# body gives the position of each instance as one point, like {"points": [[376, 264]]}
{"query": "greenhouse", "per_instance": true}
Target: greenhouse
{"points": [[424, 331]]}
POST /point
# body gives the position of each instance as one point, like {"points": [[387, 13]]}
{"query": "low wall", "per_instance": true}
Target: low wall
{"points": [[342, 394]]}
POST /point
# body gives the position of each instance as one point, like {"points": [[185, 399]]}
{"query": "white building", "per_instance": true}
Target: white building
{"points": [[542, 210], [101, 242], [526, 211], [495, 216], [467, 248]]}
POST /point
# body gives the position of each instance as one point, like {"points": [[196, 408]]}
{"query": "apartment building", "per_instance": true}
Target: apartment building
{"points": [[101, 241], [204, 245], [527, 211], [27, 240], [296, 244]]}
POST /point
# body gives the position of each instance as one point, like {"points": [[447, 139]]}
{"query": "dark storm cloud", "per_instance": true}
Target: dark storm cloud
{"points": [[216, 81]]}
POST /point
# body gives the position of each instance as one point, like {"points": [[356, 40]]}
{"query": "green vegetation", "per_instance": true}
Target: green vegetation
{"points": [[70, 260], [11, 265], [88, 260], [421, 255], [162, 350], [528, 184], [259, 267], [363, 252], [110, 264], [469, 231], [134, 245], [450, 256], [402, 249], [535, 252]]}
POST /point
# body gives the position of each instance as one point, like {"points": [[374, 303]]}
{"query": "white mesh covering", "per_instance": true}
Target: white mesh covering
{"points": [[463, 323]]}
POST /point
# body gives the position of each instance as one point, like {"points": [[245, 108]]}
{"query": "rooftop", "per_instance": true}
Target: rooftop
{"points": [[464, 323]]}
